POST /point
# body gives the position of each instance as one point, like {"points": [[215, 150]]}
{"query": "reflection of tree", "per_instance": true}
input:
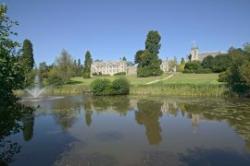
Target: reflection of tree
{"points": [[88, 117], [121, 104], [118, 104], [28, 123], [65, 112], [88, 111], [11, 116], [148, 114]]}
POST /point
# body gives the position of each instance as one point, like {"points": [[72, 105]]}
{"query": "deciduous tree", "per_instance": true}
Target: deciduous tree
{"points": [[11, 73]]}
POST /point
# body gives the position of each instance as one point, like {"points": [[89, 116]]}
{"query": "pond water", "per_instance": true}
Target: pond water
{"points": [[130, 131]]}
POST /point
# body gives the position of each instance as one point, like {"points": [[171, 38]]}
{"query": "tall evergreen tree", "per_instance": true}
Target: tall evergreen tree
{"points": [[182, 60], [148, 60], [27, 61], [79, 63], [152, 43], [124, 58], [27, 56], [87, 65]]}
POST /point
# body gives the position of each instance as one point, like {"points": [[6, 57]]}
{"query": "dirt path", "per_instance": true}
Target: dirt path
{"points": [[155, 81]]}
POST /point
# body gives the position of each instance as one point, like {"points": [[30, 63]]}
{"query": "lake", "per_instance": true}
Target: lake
{"points": [[131, 131]]}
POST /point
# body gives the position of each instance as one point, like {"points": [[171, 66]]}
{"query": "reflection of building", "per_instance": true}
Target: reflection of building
{"points": [[195, 120], [108, 67], [169, 108], [197, 56]]}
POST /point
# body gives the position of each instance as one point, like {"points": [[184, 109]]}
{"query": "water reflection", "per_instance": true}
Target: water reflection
{"points": [[124, 130], [119, 104], [14, 118], [65, 111], [28, 123], [148, 114], [149, 111], [215, 157]]}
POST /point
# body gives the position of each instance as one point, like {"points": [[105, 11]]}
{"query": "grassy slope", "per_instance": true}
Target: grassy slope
{"points": [[181, 78], [184, 85], [179, 84], [132, 79]]}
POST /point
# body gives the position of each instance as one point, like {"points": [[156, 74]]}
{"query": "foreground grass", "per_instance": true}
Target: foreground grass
{"points": [[178, 85]]}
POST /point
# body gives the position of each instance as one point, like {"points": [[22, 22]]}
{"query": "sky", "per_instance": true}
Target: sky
{"points": [[111, 29]]}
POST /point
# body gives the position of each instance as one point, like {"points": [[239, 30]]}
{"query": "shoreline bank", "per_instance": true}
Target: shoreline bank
{"points": [[212, 90]]}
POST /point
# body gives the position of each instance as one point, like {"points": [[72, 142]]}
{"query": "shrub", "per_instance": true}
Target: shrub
{"points": [[148, 71], [192, 67], [223, 76], [95, 74], [120, 86], [102, 87], [120, 73]]}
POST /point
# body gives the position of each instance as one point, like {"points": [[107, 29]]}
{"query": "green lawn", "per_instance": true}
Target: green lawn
{"points": [[132, 79], [185, 78], [178, 78]]}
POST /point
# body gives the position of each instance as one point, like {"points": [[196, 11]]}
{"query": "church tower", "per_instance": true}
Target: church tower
{"points": [[194, 53]]}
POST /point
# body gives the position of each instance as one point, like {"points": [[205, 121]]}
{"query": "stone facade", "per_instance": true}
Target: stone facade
{"points": [[132, 70], [165, 66], [108, 67]]}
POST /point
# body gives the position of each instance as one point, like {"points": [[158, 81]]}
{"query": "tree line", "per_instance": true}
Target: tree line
{"points": [[233, 68], [17, 65], [64, 68]]}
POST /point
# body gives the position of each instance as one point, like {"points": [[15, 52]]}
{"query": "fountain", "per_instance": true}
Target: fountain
{"points": [[36, 91]]}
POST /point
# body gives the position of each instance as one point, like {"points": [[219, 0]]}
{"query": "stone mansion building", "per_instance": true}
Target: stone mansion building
{"points": [[108, 67], [113, 67]]}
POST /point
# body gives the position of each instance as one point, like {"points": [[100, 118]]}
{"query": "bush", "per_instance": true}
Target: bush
{"points": [[120, 86], [102, 87], [223, 76], [120, 73], [148, 71], [192, 67], [95, 74]]}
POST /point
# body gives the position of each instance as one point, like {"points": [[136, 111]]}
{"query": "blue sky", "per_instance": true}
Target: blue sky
{"points": [[111, 29]]}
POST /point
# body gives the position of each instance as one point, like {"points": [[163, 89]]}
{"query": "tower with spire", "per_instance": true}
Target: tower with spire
{"points": [[194, 52]]}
